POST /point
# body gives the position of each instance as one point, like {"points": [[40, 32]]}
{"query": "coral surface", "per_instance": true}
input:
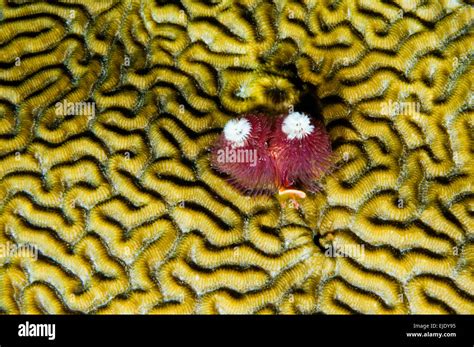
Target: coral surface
{"points": [[108, 203]]}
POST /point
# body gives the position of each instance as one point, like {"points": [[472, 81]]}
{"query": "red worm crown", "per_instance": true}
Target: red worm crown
{"points": [[242, 153], [261, 155]]}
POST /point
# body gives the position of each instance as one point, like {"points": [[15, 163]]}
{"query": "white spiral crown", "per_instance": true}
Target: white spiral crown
{"points": [[237, 131], [297, 126]]}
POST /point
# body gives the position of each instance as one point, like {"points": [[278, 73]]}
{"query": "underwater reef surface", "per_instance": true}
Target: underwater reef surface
{"points": [[108, 203]]}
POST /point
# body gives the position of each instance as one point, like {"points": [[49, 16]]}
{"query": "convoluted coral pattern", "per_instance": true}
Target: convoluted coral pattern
{"points": [[125, 212]]}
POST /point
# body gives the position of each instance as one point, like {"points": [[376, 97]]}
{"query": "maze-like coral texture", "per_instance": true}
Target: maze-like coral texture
{"points": [[110, 205]]}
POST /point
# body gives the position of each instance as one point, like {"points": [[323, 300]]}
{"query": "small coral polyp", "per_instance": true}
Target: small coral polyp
{"points": [[266, 155]]}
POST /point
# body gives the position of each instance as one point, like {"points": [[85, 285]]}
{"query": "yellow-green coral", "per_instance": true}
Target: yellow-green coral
{"points": [[127, 215]]}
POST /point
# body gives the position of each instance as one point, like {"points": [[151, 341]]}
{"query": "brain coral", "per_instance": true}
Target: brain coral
{"points": [[115, 207]]}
